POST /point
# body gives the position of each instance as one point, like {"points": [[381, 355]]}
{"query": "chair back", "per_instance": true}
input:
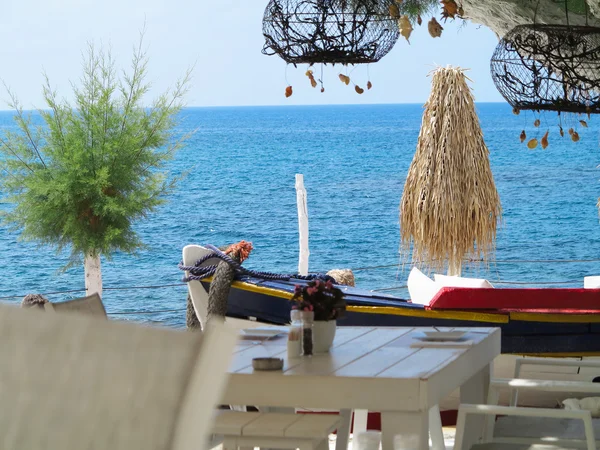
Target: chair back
{"points": [[70, 381], [91, 305]]}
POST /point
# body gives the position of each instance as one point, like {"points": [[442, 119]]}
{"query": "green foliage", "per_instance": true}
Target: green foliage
{"points": [[97, 165], [415, 8]]}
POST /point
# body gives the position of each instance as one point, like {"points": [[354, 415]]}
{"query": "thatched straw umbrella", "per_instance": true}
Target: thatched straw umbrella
{"points": [[450, 207]]}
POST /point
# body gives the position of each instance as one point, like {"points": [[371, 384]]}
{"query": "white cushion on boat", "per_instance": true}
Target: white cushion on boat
{"points": [[591, 282], [452, 281], [421, 288]]}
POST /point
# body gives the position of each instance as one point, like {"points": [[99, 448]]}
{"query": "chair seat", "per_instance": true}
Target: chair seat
{"points": [[276, 425], [534, 427]]}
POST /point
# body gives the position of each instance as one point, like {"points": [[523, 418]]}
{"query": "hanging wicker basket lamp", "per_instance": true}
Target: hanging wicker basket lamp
{"points": [[549, 67], [329, 31]]}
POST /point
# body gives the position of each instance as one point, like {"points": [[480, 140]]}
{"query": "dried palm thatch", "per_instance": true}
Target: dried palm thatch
{"points": [[450, 207]]}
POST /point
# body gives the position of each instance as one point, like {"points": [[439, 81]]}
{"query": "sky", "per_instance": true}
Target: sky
{"points": [[222, 39]]}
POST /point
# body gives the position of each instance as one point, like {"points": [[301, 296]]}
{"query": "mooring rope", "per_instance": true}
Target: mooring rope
{"points": [[199, 272]]}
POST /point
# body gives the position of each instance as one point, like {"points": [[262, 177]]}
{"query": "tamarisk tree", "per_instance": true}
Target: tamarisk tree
{"points": [[95, 166]]}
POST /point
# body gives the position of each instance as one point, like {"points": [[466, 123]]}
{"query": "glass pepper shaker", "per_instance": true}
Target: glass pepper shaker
{"points": [[308, 318]]}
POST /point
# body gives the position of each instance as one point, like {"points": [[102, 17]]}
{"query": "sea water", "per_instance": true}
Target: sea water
{"points": [[241, 164]]}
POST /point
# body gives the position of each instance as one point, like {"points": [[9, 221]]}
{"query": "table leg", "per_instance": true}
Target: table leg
{"points": [[475, 391], [343, 432], [413, 426], [435, 429]]}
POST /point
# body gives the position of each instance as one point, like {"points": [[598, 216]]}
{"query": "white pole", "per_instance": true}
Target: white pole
{"points": [[302, 224]]}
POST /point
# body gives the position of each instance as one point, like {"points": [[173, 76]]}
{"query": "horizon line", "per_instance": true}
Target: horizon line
{"points": [[285, 106]]}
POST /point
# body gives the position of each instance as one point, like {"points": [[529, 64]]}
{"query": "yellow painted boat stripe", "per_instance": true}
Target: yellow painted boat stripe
{"points": [[262, 290], [452, 315], [555, 318]]}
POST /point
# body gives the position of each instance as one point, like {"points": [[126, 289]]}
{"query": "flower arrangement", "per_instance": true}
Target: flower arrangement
{"points": [[323, 298]]}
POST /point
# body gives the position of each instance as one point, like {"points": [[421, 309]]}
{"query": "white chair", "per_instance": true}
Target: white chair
{"points": [[527, 426], [275, 430], [548, 362], [69, 382]]}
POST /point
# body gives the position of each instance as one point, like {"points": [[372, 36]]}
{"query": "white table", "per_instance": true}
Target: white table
{"points": [[374, 369]]}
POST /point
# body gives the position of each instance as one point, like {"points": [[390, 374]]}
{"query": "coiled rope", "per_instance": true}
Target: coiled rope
{"points": [[199, 272]]}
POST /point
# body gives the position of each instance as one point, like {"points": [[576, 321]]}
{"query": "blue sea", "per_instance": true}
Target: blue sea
{"points": [[241, 164]]}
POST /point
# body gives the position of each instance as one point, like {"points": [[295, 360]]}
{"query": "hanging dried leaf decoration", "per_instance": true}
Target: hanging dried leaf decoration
{"points": [[562, 132], [394, 11], [583, 123], [344, 79], [434, 28], [322, 89], [405, 27], [419, 20], [571, 131], [523, 136], [449, 9], [358, 89], [288, 91], [311, 77], [575, 136], [545, 141], [369, 85], [536, 123], [533, 143], [516, 111]]}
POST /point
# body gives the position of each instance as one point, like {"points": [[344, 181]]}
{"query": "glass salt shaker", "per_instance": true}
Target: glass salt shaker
{"points": [[308, 318], [294, 344]]}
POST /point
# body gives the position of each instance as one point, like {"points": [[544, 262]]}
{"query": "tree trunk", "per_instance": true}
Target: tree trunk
{"points": [[93, 275]]}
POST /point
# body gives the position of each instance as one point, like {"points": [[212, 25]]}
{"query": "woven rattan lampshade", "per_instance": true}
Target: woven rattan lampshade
{"points": [[549, 67], [329, 31]]}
